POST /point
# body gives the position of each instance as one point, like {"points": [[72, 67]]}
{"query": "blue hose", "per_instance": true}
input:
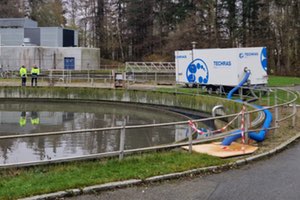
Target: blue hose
{"points": [[257, 136], [229, 96], [235, 135], [260, 136]]}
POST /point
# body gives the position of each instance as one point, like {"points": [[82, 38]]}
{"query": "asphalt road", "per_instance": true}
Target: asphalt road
{"points": [[275, 178]]}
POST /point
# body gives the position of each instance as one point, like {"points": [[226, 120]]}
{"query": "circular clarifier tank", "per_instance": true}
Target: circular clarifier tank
{"points": [[21, 117]]}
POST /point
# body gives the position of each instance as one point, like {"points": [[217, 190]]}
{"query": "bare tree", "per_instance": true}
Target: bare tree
{"points": [[11, 8]]}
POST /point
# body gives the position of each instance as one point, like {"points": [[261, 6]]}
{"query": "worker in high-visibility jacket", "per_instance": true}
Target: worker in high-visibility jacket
{"points": [[35, 120], [23, 74], [35, 71], [22, 120]]}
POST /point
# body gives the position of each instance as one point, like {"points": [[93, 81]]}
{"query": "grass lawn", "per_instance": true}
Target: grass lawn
{"points": [[283, 81], [273, 81], [18, 183]]}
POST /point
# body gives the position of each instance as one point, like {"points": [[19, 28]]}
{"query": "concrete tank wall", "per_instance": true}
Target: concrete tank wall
{"points": [[12, 57], [90, 58], [199, 103]]}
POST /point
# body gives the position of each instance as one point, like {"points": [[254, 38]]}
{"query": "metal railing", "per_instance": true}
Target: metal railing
{"points": [[164, 75], [168, 67], [91, 77], [291, 100]]}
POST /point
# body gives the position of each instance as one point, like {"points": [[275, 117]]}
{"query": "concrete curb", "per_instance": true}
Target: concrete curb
{"points": [[109, 186], [122, 184]]}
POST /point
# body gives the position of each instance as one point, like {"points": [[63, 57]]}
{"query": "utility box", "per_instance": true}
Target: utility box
{"points": [[119, 79], [221, 67]]}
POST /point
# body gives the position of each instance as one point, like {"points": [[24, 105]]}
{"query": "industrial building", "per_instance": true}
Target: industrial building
{"points": [[22, 42]]}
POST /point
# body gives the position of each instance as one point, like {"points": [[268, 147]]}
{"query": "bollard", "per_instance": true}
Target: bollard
{"points": [[122, 143]]}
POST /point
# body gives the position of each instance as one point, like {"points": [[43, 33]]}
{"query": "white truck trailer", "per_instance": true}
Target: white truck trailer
{"points": [[221, 68]]}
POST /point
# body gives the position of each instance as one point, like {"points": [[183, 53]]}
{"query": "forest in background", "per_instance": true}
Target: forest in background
{"points": [[151, 30]]}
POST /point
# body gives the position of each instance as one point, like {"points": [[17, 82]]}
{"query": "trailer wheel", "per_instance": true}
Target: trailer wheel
{"points": [[209, 90], [190, 85]]}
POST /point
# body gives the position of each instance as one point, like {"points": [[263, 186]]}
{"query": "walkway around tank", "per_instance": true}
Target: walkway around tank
{"points": [[15, 82]]}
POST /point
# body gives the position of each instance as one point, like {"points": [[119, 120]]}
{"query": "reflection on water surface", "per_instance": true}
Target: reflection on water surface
{"points": [[37, 117]]}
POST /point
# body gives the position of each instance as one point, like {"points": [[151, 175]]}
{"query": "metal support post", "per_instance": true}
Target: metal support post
{"points": [[70, 76], [276, 110], [190, 140], [122, 143], [146, 77], [260, 96], [238, 121], [124, 80], [50, 78], [63, 75], [241, 93], [122, 140], [247, 123], [113, 78], [268, 93], [294, 117]]}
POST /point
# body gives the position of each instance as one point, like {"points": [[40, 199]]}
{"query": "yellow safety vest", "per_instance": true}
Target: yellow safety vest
{"points": [[22, 121], [35, 71], [23, 71], [35, 121]]}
